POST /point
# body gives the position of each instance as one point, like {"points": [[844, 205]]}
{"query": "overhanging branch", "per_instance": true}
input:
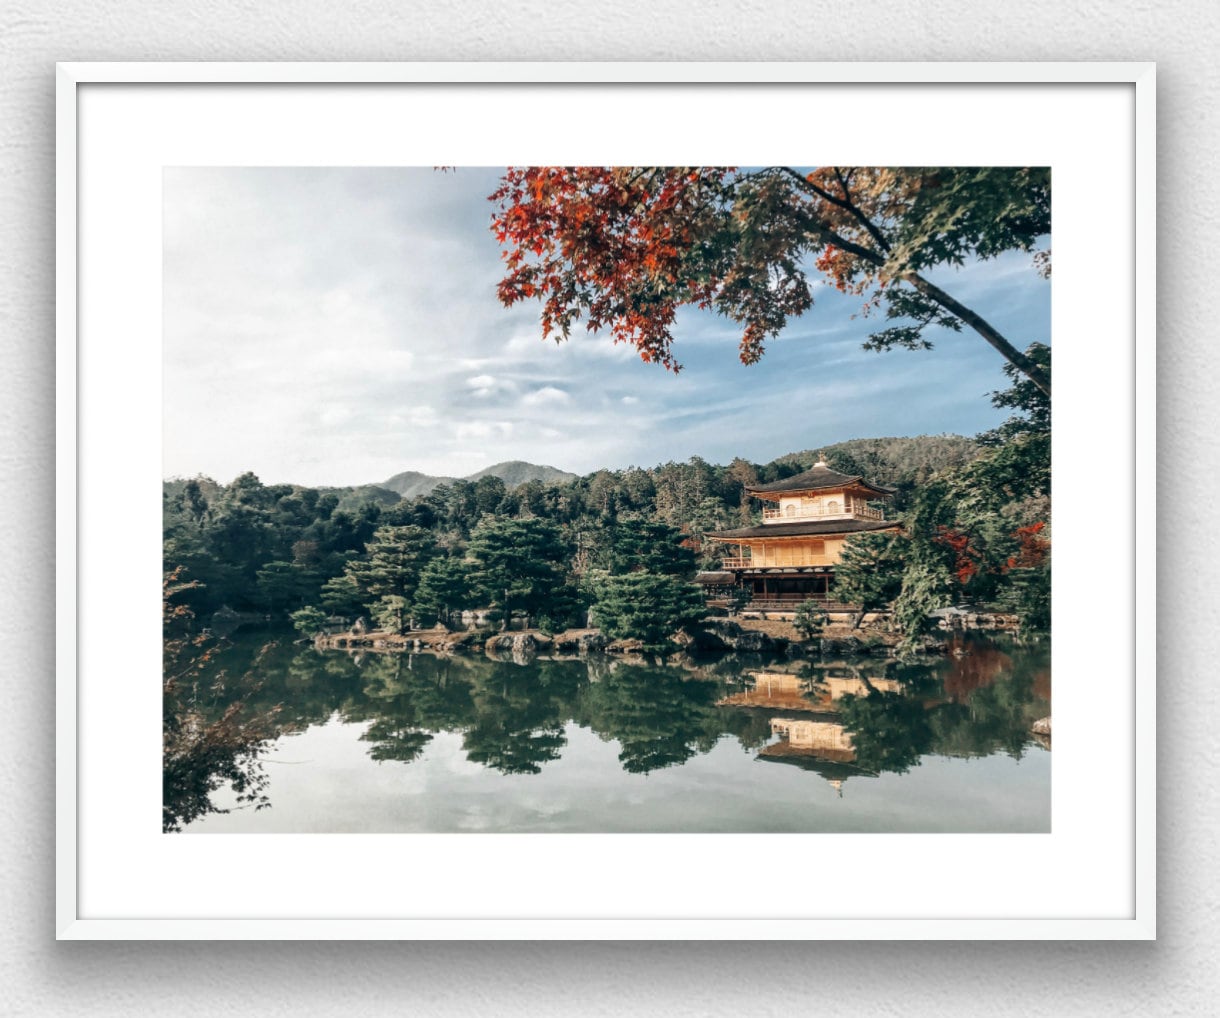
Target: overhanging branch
{"points": [[984, 328]]}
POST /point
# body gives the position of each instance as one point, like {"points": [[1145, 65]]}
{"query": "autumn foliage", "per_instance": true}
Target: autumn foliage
{"points": [[624, 248], [1032, 550], [971, 561], [966, 562]]}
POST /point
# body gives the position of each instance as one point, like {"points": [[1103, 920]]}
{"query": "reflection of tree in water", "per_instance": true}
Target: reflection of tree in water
{"points": [[391, 741], [751, 728], [973, 665], [979, 702], [209, 737], [658, 718], [512, 750], [202, 754], [519, 714], [512, 718], [407, 698], [996, 717], [889, 730]]}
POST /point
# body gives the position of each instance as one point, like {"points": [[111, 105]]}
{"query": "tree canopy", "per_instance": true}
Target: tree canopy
{"points": [[648, 607], [520, 565], [625, 247]]}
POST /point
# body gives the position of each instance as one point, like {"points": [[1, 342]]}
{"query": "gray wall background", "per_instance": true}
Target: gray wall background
{"points": [[1177, 975]]}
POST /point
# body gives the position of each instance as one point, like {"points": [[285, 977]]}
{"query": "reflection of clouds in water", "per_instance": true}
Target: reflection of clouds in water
{"points": [[473, 818], [705, 774], [447, 755]]}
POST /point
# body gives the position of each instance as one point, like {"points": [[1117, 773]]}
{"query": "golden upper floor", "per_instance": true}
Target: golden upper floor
{"points": [[821, 494]]}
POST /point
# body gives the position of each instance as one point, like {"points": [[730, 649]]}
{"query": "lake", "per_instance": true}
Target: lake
{"points": [[385, 742]]}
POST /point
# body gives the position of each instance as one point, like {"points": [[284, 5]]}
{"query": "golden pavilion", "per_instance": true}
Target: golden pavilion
{"points": [[792, 555]]}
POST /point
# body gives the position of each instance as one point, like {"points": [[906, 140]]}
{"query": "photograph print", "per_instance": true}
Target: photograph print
{"points": [[606, 499]]}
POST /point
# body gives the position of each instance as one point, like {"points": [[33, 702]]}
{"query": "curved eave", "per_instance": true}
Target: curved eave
{"points": [[852, 484], [806, 528], [819, 477]]}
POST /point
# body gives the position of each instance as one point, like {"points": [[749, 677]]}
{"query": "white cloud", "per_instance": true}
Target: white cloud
{"points": [[336, 326], [484, 386], [423, 416], [484, 429], [548, 394], [334, 415]]}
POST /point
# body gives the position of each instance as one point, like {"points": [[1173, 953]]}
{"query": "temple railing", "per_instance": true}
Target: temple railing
{"points": [[851, 511], [795, 561]]}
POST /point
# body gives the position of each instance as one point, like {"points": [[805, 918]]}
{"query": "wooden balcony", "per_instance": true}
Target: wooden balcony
{"points": [[790, 560], [852, 511]]}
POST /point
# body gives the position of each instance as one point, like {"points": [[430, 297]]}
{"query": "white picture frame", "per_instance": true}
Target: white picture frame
{"points": [[118, 877]]}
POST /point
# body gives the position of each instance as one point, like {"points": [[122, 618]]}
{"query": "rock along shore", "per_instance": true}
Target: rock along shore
{"points": [[752, 635]]}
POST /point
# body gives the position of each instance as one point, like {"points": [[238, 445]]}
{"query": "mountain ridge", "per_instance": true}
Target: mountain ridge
{"points": [[413, 483]]}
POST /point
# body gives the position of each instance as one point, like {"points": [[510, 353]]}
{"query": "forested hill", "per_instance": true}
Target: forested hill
{"points": [[893, 462], [272, 547], [412, 483], [517, 472]]}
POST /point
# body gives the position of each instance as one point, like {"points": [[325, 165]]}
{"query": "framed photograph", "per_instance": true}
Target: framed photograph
{"points": [[605, 501]]}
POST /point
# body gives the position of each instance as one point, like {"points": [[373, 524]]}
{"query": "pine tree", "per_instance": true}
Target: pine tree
{"points": [[519, 565], [647, 607], [444, 588], [396, 558]]}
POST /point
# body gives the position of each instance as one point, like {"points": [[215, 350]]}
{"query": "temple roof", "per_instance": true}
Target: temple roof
{"points": [[831, 770], [716, 578], [807, 528], [818, 477]]}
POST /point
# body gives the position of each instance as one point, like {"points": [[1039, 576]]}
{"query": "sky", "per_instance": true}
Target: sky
{"points": [[336, 326]]}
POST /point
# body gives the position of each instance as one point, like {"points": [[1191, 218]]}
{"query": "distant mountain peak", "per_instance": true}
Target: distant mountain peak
{"points": [[515, 472], [413, 483]]}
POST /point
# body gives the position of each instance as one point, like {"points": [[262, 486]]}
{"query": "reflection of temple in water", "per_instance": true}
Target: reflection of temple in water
{"points": [[817, 742], [828, 736], [822, 746], [775, 690]]}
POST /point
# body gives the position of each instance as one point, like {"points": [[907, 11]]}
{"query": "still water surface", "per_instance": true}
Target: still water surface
{"points": [[381, 743]]}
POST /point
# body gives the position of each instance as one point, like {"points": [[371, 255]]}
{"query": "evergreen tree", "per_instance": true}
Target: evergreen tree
{"points": [[647, 607], [518, 565], [870, 572], [341, 596], [396, 558], [391, 613], [638, 544], [309, 621], [444, 588], [283, 585]]}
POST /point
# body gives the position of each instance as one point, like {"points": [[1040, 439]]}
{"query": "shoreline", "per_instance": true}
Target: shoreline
{"points": [[762, 634]]}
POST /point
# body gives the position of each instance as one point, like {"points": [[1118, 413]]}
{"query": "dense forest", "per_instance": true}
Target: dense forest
{"points": [[976, 513]]}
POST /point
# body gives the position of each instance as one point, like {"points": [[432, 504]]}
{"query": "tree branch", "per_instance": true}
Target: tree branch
{"points": [[864, 221], [828, 236], [980, 325]]}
